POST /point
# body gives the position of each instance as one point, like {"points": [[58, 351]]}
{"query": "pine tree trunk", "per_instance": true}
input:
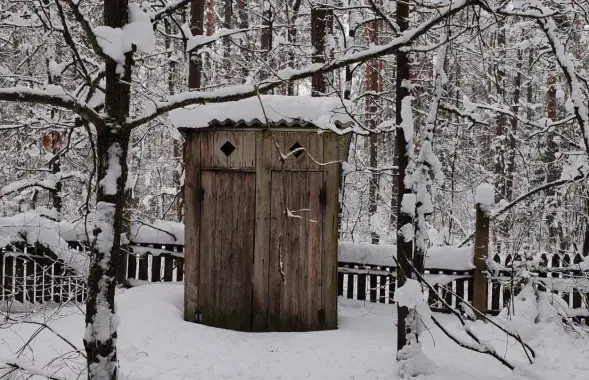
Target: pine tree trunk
{"points": [[227, 18]]}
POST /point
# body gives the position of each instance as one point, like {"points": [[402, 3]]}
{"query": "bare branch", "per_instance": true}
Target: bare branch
{"points": [[85, 24], [29, 369]]}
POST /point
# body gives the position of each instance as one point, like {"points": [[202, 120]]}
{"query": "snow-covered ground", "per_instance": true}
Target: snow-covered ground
{"points": [[155, 343]]}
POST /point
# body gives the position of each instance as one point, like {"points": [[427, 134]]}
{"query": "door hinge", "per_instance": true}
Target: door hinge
{"points": [[322, 196], [200, 194]]}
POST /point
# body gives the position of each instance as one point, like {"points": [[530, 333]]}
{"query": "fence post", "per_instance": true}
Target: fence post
{"points": [[484, 200]]}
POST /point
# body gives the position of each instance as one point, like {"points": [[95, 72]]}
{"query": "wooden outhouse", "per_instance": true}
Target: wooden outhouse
{"points": [[262, 179]]}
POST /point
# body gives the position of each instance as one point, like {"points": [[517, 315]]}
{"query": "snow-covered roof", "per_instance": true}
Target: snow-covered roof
{"points": [[328, 113]]}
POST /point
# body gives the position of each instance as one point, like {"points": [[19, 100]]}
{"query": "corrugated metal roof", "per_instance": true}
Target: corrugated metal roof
{"points": [[293, 123], [278, 111]]}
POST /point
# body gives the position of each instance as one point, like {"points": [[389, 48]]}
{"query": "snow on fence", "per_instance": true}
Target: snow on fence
{"points": [[365, 272]]}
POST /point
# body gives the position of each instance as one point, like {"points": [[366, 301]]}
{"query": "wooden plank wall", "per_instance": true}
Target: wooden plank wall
{"points": [[264, 153], [330, 212], [192, 212]]}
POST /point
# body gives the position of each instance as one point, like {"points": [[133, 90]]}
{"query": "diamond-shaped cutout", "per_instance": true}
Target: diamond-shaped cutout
{"points": [[296, 147], [227, 148]]}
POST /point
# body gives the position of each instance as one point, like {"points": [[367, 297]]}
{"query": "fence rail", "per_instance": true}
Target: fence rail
{"points": [[27, 275]]}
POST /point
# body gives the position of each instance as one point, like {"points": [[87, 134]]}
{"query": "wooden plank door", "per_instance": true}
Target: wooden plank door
{"points": [[226, 249], [295, 282]]}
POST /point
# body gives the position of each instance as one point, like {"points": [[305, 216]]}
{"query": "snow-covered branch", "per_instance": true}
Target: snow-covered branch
{"points": [[562, 58], [48, 183], [479, 346], [246, 91], [167, 9], [52, 96]]}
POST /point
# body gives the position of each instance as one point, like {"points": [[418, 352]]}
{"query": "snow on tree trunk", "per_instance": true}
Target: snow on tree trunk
{"points": [[112, 142], [429, 167], [101, 319], [412, 360], [404, 148]]}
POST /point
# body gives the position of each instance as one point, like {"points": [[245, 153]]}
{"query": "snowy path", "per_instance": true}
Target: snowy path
{"points": [[156, 344]]}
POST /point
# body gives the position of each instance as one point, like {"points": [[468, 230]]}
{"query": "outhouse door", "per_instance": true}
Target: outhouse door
{"points": [[296, 249], [227, 229]]}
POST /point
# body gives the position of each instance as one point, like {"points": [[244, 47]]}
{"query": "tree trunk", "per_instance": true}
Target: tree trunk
{"points": [[372, 77], [112, 141], [510, 163], [56, 199], [552, 170], [586, 241], [321, 21], [227, 18], [177, 146], [500, 233], [404, 247], [586, 238], [101, 320], [197, 8], [55, 141], [211, 18], [242, 13], [501, 120], [266, 38], [292, 37], [351, 36], [509, 152]]}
